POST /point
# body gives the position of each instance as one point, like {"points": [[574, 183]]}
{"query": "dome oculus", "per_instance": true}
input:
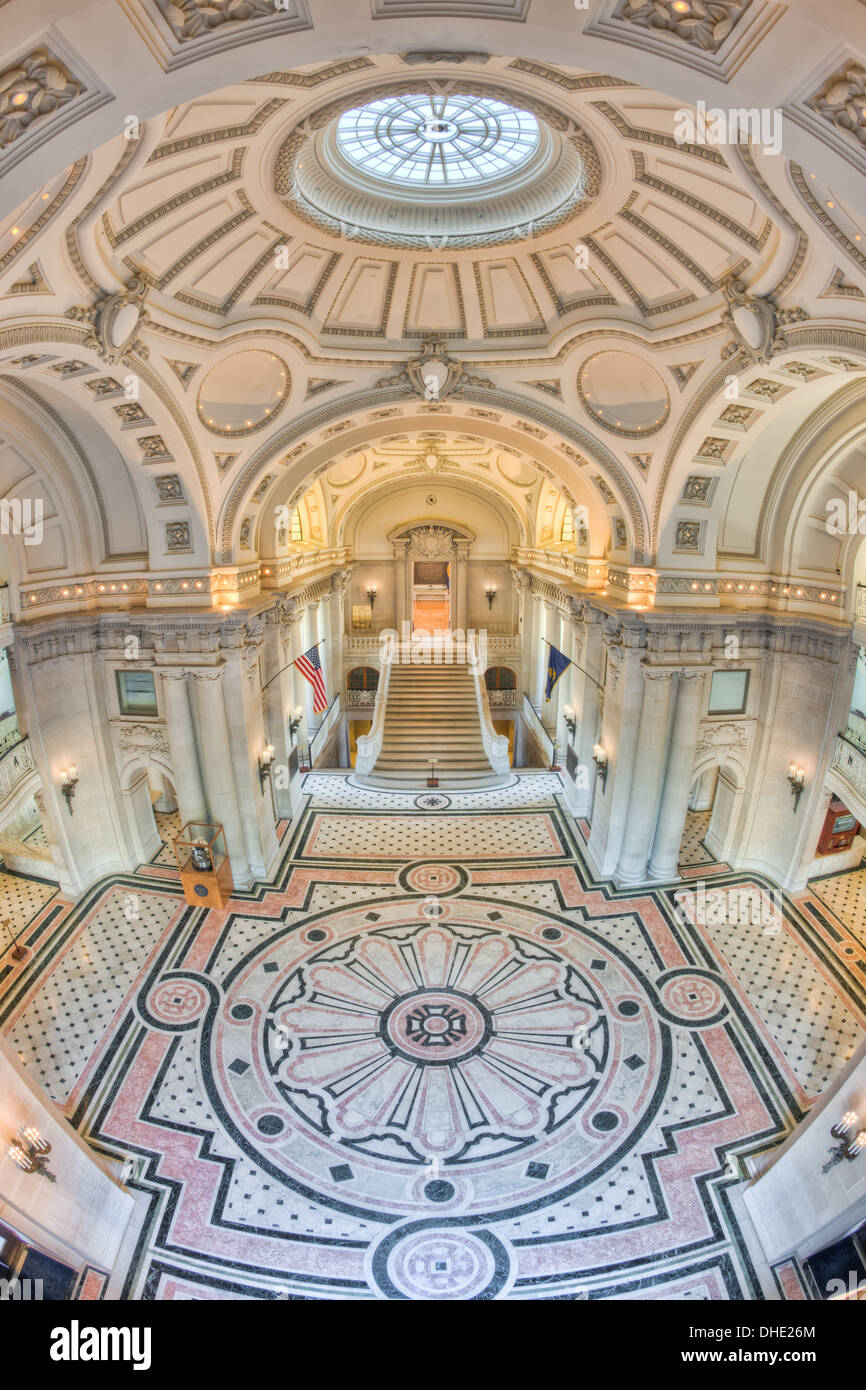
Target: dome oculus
{"points": [[437, 141]]}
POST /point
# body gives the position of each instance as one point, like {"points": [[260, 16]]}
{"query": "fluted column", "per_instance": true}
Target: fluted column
{"points": [[644, 793], [218, 770], [678, 778], [539, 653], [181, 737]]}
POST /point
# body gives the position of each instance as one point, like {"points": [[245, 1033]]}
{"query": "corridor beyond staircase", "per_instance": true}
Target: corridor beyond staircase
{"points": [[432, 713]]}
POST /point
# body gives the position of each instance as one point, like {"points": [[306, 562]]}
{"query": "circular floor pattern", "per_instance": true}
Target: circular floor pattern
{"points": [[471, 1066]]}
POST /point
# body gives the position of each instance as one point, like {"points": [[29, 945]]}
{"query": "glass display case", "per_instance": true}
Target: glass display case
{"points": [[203, 862]]}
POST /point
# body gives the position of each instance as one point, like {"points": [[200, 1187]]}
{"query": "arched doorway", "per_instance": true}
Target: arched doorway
{"points": [[714, 803]]}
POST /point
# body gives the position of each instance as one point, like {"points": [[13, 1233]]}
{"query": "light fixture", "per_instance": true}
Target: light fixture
{"points": [[295, 721], [599, 757], [490, 591], [570, 720], [265, 760], [850, 1146], [797, 781], [30, 1151], [372, 591], [68, 783]]}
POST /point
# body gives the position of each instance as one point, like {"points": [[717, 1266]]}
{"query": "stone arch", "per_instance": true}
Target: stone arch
{"points": [[571, 474]]}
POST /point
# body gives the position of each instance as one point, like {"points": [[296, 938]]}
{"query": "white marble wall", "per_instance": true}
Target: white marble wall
{"points": [[79, 1219], [796, 1208]]}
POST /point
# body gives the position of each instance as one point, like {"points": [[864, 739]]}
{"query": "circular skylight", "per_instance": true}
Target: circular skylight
{"points": [[437, 141]]}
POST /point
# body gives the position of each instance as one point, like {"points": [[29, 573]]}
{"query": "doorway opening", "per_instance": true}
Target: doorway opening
{"points": [[431, 595], [711, 818]]}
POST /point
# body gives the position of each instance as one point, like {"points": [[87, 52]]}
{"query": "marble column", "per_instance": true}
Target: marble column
{"points": [[538, 659], [678, 778], [644, 793], [219, 773], [184, 752]]}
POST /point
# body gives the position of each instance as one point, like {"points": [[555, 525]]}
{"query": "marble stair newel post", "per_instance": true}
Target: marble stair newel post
{"points": [[644, 795], [219, 773], [181, 736], [678, 777]]}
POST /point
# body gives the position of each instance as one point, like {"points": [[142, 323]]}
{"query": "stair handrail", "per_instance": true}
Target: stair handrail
{"points": [[370, 745], [495, 745]]}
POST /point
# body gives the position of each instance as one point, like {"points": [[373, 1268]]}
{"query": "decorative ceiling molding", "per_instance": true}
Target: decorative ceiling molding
{"points": [[818, 210], [71, 182], [531, 215], [178, 32], [41, 93], [591, 448], [714, 37], [321, 75], [115, 324], [516, 10]]}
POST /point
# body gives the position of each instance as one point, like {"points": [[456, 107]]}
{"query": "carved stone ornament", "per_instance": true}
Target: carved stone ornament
{"points": [[116, 321], [723, 739], [30, 90], [756, 323], [432, 542], [190, 19], [704, 24], [434, 373], [842, 101]]}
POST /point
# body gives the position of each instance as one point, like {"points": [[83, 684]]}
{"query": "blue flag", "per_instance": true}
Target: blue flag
{"points": [[556, 664]]}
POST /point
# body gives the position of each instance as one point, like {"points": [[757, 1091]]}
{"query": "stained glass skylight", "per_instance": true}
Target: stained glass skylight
{"points": [[437, 141]]}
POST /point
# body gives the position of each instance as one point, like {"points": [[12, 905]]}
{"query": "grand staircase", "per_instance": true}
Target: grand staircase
{"points": [[432, 714]]}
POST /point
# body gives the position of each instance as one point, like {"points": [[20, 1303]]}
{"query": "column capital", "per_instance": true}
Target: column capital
{"points": [[173, 673], [209, 673], [658, 673]]}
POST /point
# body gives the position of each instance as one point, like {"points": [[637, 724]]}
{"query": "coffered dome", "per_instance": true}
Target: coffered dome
{"points": [[409, 166]]}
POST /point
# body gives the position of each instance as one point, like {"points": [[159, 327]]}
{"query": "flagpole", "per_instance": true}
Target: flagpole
{"points": [[546, 643], [321, 642]]}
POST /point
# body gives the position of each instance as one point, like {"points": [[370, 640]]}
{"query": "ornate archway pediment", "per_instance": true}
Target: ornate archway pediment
{"points": [[432, 541]]}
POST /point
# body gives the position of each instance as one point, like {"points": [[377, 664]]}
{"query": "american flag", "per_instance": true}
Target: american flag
{"points": [[310, 668]]}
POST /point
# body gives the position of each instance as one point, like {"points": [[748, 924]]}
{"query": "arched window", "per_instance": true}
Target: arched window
{"points": [[567, 532], [296, 530], [364, 678], [500, 678]]}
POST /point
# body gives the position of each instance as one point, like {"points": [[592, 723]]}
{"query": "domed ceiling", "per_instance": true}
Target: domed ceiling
{"points": [[268, 258]]}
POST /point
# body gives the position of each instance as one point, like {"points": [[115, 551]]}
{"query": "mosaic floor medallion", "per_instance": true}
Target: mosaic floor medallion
{"points": [[434, 1060]]}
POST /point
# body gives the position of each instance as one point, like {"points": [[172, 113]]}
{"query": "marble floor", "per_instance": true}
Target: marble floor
{"points": [[433, 1059]]}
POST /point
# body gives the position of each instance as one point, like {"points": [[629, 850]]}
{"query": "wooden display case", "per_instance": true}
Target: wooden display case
{"points": [[840, 828], [205, 871]]}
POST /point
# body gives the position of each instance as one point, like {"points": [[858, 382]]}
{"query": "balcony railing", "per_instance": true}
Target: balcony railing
{"points": [[502, 699], [861, 601], [850, 763], [856, 730], [16, 763], [364, 698]]}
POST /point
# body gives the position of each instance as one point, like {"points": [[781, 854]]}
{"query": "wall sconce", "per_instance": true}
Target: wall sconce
{"points": [[490, 591], [372, 591], [265, 761], [851, 1145], [30, 1153], [68, 783], [797, 781], [295, 721], [570, 720], [599, 757]]}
